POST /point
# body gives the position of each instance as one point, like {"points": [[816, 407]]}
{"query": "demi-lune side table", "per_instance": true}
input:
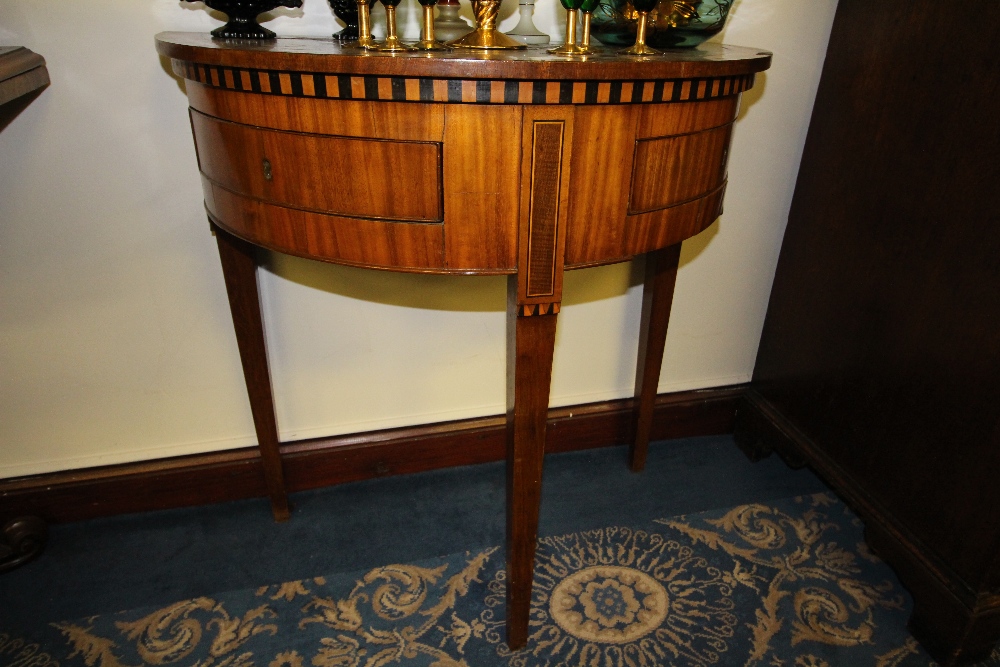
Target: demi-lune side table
{"points": [[520, 163]]}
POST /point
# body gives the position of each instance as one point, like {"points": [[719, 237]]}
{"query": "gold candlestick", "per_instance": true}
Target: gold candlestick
{"points": [[585, 38], [391, 42], [486, 35], [365, 40], [570, 48], [640, 48], [427, 40]]}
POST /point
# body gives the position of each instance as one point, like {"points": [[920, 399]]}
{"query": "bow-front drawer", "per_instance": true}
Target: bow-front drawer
{"points": [[389, 180]]}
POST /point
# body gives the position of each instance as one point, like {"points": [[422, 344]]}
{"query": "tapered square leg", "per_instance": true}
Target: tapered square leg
{"points": [[239, 267], [657, 296], [530, 343], [534, 294]]}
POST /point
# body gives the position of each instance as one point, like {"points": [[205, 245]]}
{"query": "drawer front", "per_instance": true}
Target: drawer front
{"points": [[670, 170], [394, 181], [372, 243]]}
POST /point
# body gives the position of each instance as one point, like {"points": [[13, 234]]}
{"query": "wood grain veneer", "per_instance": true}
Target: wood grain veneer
{"points": [[670, 170], [239, 267], [355, 241], [345, 176], [347, 118], [481, 195], [657, 297], [465, 163]]}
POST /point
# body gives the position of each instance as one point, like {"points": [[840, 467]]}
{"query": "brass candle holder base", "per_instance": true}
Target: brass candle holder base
{"points": [[392, 45], [640, 48], [430, 45], [427, 40], [570, 48], [486, 36], [486, 39]]}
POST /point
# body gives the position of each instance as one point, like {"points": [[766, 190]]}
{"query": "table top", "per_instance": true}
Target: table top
{"points": [[328, 56]]}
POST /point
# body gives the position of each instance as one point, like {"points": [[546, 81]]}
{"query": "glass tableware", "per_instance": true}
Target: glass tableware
{"points": [[449, 26], [570, 47], [428, 42], [391, 42], [525, 30], [346, 11], [640, 48], [587, 10], [674, 23], [364, 40]]}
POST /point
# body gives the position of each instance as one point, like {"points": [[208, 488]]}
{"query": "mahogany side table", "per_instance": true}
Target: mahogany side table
{"points": [[553, 163]]}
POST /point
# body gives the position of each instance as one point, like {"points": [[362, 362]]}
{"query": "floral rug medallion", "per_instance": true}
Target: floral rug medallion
{"points": [[609, 605]]}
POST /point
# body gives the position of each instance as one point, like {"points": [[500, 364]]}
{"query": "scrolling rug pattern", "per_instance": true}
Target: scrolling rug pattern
{"points": [[786, 584]]}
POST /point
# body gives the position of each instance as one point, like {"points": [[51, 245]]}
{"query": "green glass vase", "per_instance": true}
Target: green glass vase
{"points": [[673, 24]]}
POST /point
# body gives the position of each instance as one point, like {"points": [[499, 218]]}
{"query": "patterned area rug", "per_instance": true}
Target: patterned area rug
{"points": [[790, 584]]}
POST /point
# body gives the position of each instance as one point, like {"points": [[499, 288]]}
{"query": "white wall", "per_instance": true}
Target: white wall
{"points": [[115, 338]]}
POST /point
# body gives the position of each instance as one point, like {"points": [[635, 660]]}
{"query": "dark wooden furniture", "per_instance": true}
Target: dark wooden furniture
{"points": [[551, 164], [22, 72], [880, 359], [22, 75]]}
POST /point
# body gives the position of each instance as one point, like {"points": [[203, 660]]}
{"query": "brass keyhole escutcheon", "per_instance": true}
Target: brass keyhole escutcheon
{"points": [[267, 169]]}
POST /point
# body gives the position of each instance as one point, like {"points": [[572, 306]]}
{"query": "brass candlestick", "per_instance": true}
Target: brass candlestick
{"points": [[587, 9], [570, 48], [486, 35], [585, 37], [365, 40], [427, 40], [391, 42], [640, 48]]}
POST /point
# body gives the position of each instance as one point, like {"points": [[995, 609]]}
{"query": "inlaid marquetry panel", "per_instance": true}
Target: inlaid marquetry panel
{"points": [[543, 212], [546, 160], [341, 175], [460, 91]]}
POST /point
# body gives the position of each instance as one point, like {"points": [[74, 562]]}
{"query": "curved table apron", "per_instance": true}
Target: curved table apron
{"points": [[519, 163]]}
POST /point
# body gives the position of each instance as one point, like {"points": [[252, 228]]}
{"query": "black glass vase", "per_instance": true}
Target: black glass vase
{"points": [[243, 15], [346, 11]]}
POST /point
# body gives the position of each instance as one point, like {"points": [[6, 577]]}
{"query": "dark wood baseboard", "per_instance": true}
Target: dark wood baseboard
{"points": [[210, 478], [953, 622]]}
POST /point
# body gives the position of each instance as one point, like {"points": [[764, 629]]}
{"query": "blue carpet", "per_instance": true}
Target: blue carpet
{"points": [[704, 559]]}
